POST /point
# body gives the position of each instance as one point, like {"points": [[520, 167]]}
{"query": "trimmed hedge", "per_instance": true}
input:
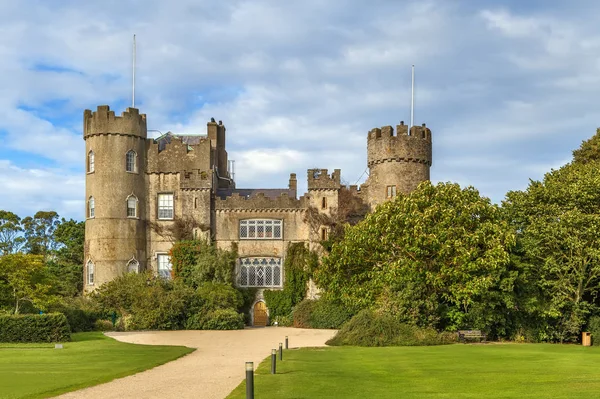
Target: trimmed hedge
{"points": [[52, 327], [369, 328], [320, 314], [218, 319]]}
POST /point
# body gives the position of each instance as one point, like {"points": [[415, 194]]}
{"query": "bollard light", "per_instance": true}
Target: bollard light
{"points": [[280, 351], [286, 342], [249, 380], [273, 361]]}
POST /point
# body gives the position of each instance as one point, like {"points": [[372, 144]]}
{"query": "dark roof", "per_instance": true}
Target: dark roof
{"points": [[186, 139], [252, 192]]}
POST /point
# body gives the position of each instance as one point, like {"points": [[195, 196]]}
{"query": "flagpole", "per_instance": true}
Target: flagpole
{"points": [[133, 76], [412, 100]]}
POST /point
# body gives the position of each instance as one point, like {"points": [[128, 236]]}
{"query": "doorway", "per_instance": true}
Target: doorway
{"points": [[260, 314]]}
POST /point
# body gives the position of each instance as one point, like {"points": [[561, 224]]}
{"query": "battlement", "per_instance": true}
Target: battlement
{"points": [[171, 153], [260, 201], [104, 121], [422, 132], [384, 146], [196, 180], [320, 179]]}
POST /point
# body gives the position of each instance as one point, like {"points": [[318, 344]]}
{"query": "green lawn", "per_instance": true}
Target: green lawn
{"points": [[452, 371], [40, 371]]}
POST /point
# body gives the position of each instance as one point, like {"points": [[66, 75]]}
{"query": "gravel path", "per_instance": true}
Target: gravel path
{"points": [[212, 371]]}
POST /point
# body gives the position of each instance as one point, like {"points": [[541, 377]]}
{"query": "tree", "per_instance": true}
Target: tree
{"points": [[10, 228], [69, 238], [589, 151], [26, 278], [39, 232], [428, 257], [558, 225]]}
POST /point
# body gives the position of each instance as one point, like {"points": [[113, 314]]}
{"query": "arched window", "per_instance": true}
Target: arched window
{"points": [[132, 203], [91, 207], [131, 161], [90, 272], [91, 162], [133, 266]]}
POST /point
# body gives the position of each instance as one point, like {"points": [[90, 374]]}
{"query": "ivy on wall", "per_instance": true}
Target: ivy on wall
{"points": [[298, 266]]}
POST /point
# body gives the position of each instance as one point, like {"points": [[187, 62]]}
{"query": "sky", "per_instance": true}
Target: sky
{"points": [[508, 88]]}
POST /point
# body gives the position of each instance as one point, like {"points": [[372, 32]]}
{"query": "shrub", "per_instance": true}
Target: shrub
{"points": [[369, 328], [80, 312], [320, 314], [218, 319], [594, 328], [213, 296], [51, 327], [103, 325]]}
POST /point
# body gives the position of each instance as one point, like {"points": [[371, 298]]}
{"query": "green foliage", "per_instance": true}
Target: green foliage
{"points": [[25, 279], [428, 258], [298, 266], [369, 328], [103, 325], [214, 296], [10, 228], [146, 302], [558, 225], [81, 313], [51, 327], [69, 239], [39, 233], [218, 319], [302, 313], [320, 314], [196, 262], [589, 151]]}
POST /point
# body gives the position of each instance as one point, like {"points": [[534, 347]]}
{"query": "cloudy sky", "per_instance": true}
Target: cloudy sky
{"points": [[509, 88]]}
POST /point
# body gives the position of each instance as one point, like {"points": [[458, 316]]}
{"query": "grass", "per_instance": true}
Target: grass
{"points": [[40, 371], [451, 371]]}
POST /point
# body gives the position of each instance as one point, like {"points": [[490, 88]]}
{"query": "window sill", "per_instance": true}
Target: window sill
{"points": [[133, 173], [91, 173], [90, 217], [165, 220], [133, 217]]}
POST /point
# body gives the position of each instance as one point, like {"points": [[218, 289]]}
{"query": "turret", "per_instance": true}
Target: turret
{"points": [[397, 163], [115, 236]]}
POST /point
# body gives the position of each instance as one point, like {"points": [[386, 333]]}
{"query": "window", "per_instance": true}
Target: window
{"points": [[261, 229], [91, 207], [324, 203], [165, 206], [391, 191], [91, 162], [133, 266], [132, 203], [90, 272], [323, 233], [164, 265], [260, 272], [131, 161]]}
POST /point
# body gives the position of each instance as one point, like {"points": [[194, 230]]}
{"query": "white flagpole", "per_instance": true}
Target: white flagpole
{"points": [[133, 76], [412, 100]]}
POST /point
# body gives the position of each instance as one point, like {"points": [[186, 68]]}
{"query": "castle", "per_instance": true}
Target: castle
{"points": [[140, 191]]}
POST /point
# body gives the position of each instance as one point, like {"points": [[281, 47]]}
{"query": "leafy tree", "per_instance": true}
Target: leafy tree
{"points": [[10, 229], [26, 278], [589, 151], [558, 225], [69, 238], [196, 262], [39, 232], [430, 258]]}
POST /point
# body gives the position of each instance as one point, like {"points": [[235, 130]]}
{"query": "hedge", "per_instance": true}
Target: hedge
{"points": [[320, 314], [52, 327]]}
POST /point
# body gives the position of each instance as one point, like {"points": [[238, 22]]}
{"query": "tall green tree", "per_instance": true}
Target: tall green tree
{"points": [[429, 257], [558, 225], [39, 233], [11, 239]]}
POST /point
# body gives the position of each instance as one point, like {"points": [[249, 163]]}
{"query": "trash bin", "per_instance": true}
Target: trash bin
{"points": [[586, 339]]}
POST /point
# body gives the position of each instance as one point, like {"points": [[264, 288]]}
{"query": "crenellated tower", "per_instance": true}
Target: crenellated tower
{"points": [[397, 163], [115, 194]]}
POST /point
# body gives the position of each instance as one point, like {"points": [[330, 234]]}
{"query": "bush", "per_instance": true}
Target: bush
{"points": [[594, 328], [80, 312], [218, 319], [213, 296], [369, 328], [103, 325], [51, 327], [320, 314]]}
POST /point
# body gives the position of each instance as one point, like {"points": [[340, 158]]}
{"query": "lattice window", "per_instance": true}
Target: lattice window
{"points": [[132, 203], [261, 229], [165, 206], [164, 265], [90, 272], [259, 272], [131, 161], [391, 191]]}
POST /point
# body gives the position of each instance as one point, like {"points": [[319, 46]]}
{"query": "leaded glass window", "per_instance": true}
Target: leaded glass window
{"points": [[259, 272], [261, 229]]}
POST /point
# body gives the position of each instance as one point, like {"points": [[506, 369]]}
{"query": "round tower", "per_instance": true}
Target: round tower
{"points": [[397, 163], [115, 194]]}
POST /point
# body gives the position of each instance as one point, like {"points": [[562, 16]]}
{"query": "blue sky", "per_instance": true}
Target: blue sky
{"points": [[508, 88]]}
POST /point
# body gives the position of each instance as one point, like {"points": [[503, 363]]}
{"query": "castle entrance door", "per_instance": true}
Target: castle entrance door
{"points": [[260, 314]]}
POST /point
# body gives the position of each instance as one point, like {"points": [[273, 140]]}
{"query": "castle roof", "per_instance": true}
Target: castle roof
{"points": [[186, 139], [272, 193]]}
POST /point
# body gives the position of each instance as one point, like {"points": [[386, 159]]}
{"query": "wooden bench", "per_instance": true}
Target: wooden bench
{"points": [[463, 335]]}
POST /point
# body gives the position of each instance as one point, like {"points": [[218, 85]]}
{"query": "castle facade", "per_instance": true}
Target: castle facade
{"points": [[142, 192]]}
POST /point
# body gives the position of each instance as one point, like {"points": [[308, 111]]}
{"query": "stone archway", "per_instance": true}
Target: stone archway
{"points": [[259, 314]]}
